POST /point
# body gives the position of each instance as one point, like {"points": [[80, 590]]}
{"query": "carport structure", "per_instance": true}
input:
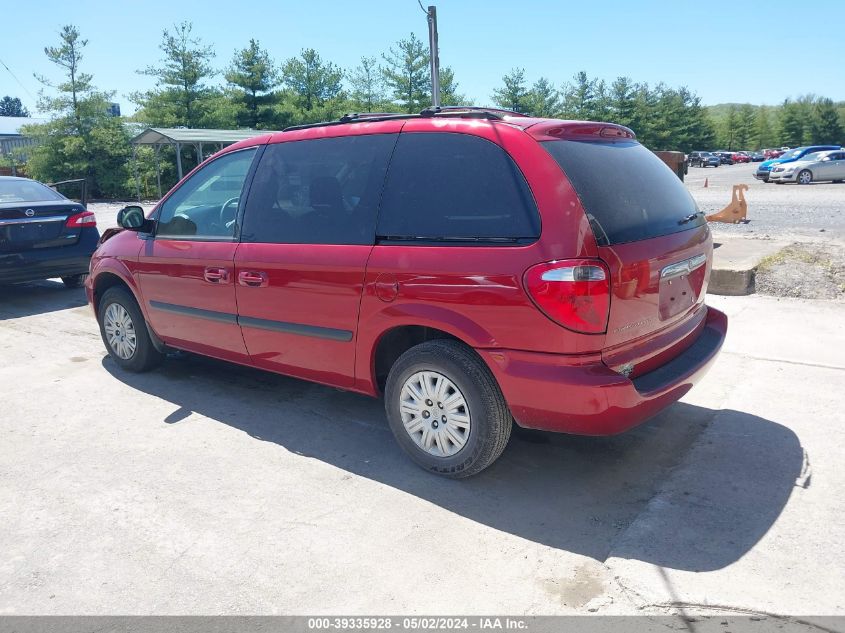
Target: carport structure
{"points": [[178, 137]]}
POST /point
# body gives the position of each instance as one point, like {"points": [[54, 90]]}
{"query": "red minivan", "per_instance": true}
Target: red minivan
{"points": [[474, 267]]}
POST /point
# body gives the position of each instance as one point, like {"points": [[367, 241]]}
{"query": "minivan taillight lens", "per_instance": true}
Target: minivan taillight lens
{"points": [[574, 293], [86, 218]]}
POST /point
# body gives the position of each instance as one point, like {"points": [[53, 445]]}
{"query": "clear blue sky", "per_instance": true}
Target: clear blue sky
{"points": [[723, 51]]}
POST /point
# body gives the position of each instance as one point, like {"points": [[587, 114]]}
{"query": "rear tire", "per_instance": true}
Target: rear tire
{"points": [[124, 332], [74, 281], [436, 442]]}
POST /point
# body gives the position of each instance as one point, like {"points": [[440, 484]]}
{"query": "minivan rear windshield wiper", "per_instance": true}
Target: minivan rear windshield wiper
{"points": [[690, 217]]}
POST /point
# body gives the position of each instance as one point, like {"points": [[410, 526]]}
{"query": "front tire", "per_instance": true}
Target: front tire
{"points": [[805, 177], [74, 281], [124, 332], [446, 410]]}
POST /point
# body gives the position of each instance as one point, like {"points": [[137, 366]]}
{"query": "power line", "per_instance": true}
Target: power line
{"points": [[18, 80]]}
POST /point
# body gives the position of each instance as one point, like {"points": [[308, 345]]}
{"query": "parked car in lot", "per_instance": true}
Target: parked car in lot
{"points": [[741, 157], [765, 168], [772, 153], [704, 159], [43, 234], [818, 166], [757, 157], [725, 157], [472, 266]]}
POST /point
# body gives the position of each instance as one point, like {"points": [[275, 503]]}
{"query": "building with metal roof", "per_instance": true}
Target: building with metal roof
{"points": [[14, 145], [178, 137]]}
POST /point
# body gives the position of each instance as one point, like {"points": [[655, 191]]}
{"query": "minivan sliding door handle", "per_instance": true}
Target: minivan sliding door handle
{"points": [[216, 275], [252, 278]]}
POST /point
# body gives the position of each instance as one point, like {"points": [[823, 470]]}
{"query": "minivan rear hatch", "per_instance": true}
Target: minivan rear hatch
{"points": [[655, 242]]}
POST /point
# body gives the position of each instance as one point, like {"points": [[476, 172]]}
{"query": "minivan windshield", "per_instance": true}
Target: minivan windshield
{"points": [[628, 193]]}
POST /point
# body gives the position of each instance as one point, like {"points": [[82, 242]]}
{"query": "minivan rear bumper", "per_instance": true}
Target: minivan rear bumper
{"points": [[582, 395]]}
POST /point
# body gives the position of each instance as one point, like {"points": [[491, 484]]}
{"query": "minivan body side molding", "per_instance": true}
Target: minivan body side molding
{"points": [[261, 324], [296, 328], [210, 315]]}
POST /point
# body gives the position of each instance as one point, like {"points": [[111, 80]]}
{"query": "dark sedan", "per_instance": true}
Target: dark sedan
{"points": [[43, 234], [703, 159]]}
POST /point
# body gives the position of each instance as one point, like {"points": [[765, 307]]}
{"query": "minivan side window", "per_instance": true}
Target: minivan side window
{"points": [[206, 205], [455, 188], [321, 191]]}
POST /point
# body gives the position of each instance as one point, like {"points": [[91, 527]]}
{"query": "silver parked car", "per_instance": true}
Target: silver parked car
{"points": [[828, 165]]}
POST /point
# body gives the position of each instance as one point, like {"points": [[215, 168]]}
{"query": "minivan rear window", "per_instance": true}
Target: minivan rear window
{"points": [[628, 193]]}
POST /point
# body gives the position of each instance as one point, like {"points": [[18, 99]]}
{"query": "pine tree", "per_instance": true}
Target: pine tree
{"points": [[791, 124], [449, 95], [622, 103], [825, 126], [406, 74], [12, 106], [253, 77], [543, 99], [182, 95], [81, 140], [513, 95], [367, 85], [745, 125], [313, 81], [763, 134]]}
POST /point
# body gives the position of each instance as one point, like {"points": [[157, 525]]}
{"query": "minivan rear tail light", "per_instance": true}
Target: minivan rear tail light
{"points": [[80, 220], [574, 293]]}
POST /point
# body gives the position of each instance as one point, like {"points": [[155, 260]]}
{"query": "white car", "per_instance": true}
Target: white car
{"points": [[827, 165]]}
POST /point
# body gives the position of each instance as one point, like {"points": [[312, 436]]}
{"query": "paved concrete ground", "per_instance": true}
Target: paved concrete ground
{"points": [[207, 488]]}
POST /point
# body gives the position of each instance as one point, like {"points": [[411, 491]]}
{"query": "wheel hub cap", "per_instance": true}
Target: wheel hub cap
{"points": [[435, 413], [120, 331]]}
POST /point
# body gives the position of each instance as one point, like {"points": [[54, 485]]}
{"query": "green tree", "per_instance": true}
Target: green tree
{"points": [[12, 106], [622, 103], [252, 78], [791, 124], [763, 134], [406, 74], [746, 120], [543, 99], [81, 140], [312, 81], [584, 98], [182, 96], [729, 128], [449, 95], [825, 126], [367, 85], [513, 95]]}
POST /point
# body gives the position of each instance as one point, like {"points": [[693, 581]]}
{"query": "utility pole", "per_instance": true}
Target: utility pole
{"points": [[433, 55]]}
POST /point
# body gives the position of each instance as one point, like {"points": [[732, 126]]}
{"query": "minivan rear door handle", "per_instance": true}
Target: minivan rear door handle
{"points": [[215, 275], [252, 278]]}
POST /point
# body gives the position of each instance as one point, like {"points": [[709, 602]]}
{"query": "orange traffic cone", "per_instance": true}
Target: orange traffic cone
{"points": [[705, 182]]}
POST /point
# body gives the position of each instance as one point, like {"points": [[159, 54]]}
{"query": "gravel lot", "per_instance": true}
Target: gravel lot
{"points": [[815, 211]]}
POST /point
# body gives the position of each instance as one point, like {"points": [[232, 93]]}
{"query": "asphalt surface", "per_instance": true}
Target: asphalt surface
{"points": [[815, 211], [207, 488]]}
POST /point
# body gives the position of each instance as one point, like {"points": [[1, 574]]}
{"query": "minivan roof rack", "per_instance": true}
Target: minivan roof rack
{"points": [[464, 112]]}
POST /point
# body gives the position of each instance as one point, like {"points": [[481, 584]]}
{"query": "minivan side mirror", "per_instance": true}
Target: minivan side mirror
{"points": [[132, 218]]}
